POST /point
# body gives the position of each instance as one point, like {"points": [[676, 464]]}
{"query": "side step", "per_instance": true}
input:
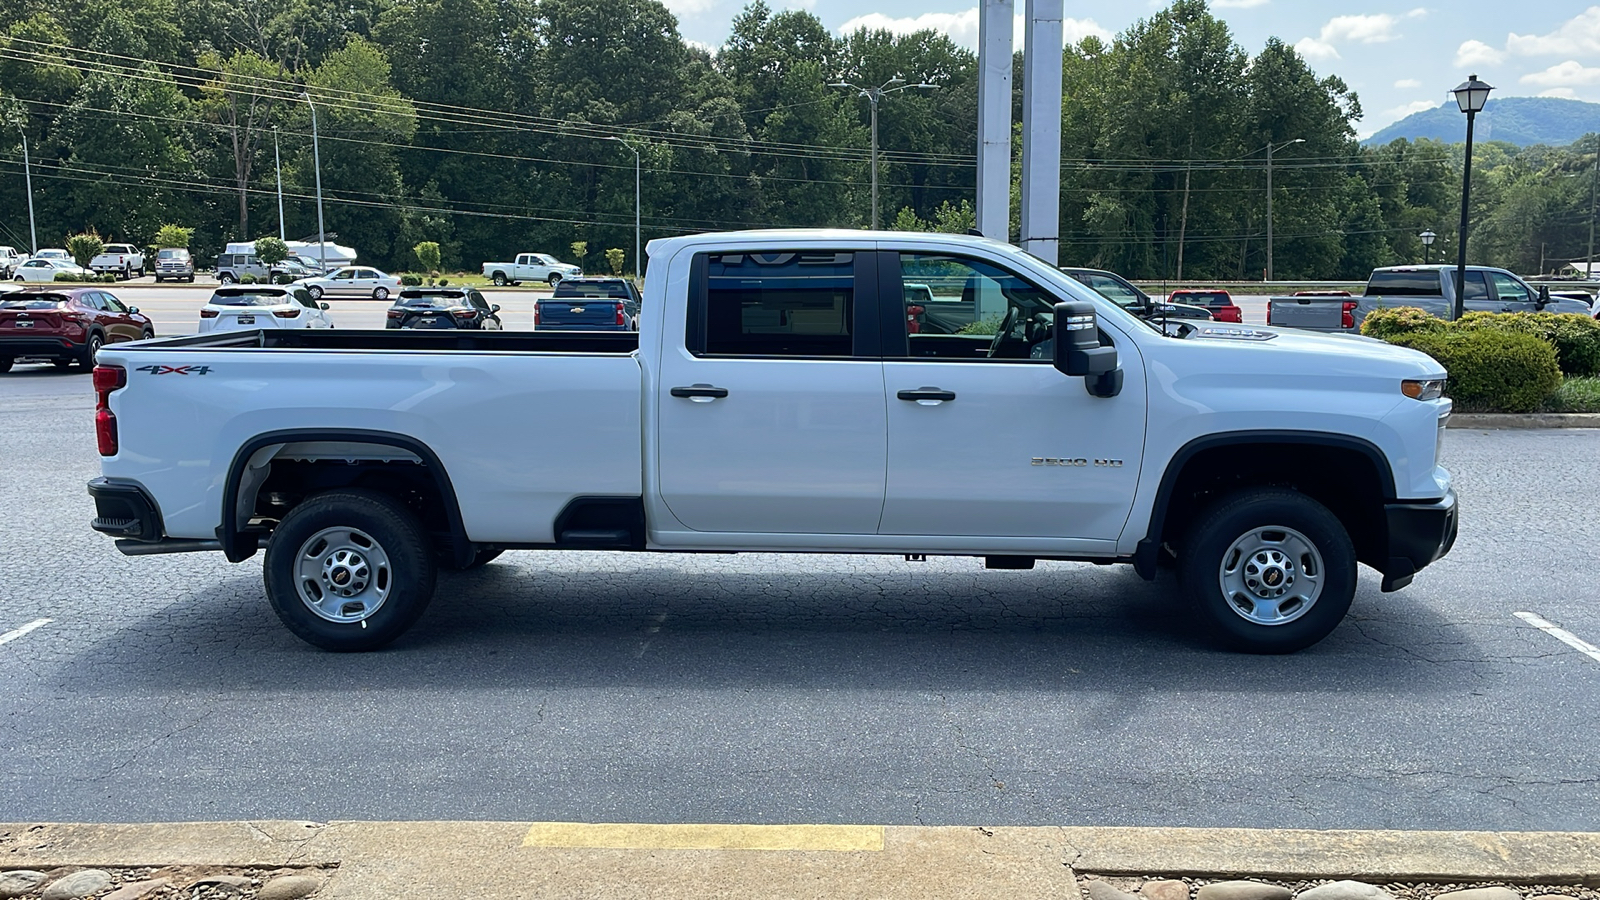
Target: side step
{"points": [[620, 538]]}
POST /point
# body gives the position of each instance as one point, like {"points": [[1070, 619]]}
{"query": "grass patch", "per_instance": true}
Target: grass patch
{"points": [[1575, 395]]}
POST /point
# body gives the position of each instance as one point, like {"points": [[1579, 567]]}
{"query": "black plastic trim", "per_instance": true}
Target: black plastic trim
{"points": [[1145, 555], [1420, 533], [583, 517], [125, 510], [238, 546]]}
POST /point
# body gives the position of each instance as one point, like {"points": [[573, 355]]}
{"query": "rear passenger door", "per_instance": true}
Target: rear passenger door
{"points": [[771, 417]]}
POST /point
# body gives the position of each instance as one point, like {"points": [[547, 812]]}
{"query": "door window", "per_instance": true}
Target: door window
{"points": [[1477, 288], [777, 303], [968, 309], [1113, 290], [343, 275], [112, 303], [1509, 289]]}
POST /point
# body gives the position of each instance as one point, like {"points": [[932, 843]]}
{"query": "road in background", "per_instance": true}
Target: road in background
{"points": [[766, 688]]}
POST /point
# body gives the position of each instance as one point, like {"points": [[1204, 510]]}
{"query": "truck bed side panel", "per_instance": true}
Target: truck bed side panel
{"points": [[519, 434]]}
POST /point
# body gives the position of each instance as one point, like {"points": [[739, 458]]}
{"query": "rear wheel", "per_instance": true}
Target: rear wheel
{"points": [[1271, 570], [226, 278], [380, 293], [349, 570], [499, 279]]}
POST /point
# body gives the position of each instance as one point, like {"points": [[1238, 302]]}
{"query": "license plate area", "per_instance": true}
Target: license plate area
{"points": [[247, 320]]}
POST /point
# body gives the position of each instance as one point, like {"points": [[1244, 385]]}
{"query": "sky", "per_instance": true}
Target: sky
{"points": [[1398, 57]]}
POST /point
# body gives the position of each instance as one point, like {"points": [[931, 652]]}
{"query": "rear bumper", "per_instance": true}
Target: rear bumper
{"points": [[1419, 534], [41, 347], [124, 510], [578, 326]]}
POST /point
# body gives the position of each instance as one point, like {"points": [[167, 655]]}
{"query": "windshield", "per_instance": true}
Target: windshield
{"points": [[36, 302], [251, 300], [1072, 289], [545, 259], [172, 254]]}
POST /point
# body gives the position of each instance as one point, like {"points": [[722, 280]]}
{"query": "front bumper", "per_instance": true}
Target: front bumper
{"points": [[1419, 534]]}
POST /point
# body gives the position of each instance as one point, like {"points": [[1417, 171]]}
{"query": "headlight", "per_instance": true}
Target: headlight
{"points": [[1418, 389]]}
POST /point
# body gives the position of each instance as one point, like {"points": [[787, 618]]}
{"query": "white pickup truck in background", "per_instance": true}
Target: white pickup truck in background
{"points": [[530, 267], [125, 260], [775, 399]]}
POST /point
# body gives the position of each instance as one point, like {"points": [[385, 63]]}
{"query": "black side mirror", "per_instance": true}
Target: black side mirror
{"points": [[494, 308], [133, 310], [1078, 351], [1544, 295], [323, 306]]}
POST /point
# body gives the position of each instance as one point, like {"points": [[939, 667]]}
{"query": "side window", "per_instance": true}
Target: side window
{"points": [[477, 300], [1477, 288], [112, 303], [1114, 290], [778, 303], [92, 300], [304, 298], [1509, 288], [968, 309]]}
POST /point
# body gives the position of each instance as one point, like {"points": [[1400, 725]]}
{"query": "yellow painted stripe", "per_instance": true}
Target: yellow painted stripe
{"points": [[580, 835]]}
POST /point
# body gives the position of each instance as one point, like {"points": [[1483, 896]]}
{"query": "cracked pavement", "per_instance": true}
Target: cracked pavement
{"points": [[774, 689]]}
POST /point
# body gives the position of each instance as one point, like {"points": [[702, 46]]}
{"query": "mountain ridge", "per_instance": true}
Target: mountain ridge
{"points": [[1518, 120]]}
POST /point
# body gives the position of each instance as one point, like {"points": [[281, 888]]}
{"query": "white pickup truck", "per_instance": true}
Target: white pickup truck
{"points": [[530, 267], [125, 260], [777, 399]]}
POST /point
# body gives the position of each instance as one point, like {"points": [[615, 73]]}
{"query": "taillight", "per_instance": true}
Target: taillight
{"points": [[208, 313], [287, 313], [1269, 312], [106, 380], [536, 315], [1347, 316], [467, 314], [622, 317], [397, 314]]}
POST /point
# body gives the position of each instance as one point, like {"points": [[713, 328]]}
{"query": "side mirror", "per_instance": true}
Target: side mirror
{"points": [[1544, 295], [133, 310], [323, 305], [1078, 351], [494, 308]]}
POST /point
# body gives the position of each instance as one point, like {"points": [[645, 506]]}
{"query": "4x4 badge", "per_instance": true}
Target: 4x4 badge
{"points": [[175, 370]]}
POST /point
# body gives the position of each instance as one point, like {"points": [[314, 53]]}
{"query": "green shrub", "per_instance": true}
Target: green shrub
{"points": [[271, 250], [108, 278], [1576, 338], [85, 247], [247, 278], [1493, 370], [411, 281], [444, 282], [427, 253], [68, 277], [1389, 321], [282, 278], [174, 236], [615, 258]]}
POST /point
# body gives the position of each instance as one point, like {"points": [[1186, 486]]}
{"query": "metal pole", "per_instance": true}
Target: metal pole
{"points": [[994, 118], [1040, 203], [1466, 194], [1594, 192], [277, 163], [872, 98], [636, 257], [316, 157], [1269, 210], [27, 175]]}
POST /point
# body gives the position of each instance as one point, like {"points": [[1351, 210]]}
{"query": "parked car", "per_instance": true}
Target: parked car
{"points": [[1126, 294], [1218, 302], [52, 253], [588, 293], [447, 307], [765, 407], [352, 281], [174, 263], [118, 259], [262, 306], [1429, 288], [9, 260], [530, 267], [65, 325], [42, 271], [233, 267]]}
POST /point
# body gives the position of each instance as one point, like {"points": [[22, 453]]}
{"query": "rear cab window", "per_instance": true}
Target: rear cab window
{"points": [[777, 303]]}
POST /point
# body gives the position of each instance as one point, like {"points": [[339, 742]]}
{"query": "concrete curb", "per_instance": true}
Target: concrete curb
{"points": [[1524, 420], [371, 860]]}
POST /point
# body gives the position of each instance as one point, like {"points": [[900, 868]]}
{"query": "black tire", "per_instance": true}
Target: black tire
{"points": [[149, 333], [5, 364], [499, 279], [96, 341], [190, 279], [225, 279], [408, 570], [61, 363], [553, 279], [483, 557], [380, 293], [315, 291], [158, 279], [1275, 534], [127, 273]]}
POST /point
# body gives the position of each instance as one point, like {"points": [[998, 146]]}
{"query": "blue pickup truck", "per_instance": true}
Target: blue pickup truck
{"points": [[589, 304]]}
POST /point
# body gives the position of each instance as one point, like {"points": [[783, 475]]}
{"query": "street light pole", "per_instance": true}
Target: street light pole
{"points": [[636, 204], [277, 163], [1471, 95], [1270, 148], [316, 157], [27, 176], [1427, 245], [874, 95]]}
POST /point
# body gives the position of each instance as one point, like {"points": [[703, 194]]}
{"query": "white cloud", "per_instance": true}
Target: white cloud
{"points": [[1239, 4], [1568, 74], [1407, 83], [685, 8], [1564, 93], [1400, 112], [1311, 48], [1474, 53], [1373, 29], [962, 27], [1579, 36]]}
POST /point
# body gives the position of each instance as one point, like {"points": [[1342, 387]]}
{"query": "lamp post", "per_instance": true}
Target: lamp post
{"points": [[1270, 148], [316, 157], [874, 95], [27, 177], [1427, 245], [277, 163], [1471, 95], [635, 201]]}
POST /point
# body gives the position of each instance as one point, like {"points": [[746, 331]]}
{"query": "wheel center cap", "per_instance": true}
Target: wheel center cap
{"points": [[340, 576], [1272, 577]]}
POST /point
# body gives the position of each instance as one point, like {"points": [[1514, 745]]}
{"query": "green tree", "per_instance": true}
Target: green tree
{"points": [[245, 98], [85, 247], [271, 250], [170, 235], [579, 249], [427, 254], [615, 258]]}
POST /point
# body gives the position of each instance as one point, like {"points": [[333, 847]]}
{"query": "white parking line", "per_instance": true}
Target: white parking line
{"points": [[10, 636], [1561, 634]]}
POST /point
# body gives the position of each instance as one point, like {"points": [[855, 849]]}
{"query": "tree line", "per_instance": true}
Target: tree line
{"points": [[491, 127]]}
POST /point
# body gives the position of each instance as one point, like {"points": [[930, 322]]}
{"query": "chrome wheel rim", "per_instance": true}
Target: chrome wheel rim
{"points": [[1271, 575], [343, 575]]}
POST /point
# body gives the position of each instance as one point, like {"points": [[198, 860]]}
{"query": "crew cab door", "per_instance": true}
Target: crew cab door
{"points": [[771, 414], [1512, 294], [986, 437]]}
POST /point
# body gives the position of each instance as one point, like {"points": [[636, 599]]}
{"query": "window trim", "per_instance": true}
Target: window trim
{"points": [[864, 326]]}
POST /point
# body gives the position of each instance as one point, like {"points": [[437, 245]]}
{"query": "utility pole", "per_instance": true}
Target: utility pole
{"points": [[636, 207], [1594, 192], [27, 175], [874, 95], [316, 157], [278, 164], [1270, 148]]}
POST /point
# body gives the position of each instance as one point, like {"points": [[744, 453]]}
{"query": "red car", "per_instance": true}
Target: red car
{"points": [[1219, 302], [65, 325]]}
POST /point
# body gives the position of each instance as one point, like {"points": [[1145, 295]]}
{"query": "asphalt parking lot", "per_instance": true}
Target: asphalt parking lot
{"points": [[767, 689]]}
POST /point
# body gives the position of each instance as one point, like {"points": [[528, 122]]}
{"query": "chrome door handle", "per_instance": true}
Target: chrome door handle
{"points": [[927, 396], [700, 393]]}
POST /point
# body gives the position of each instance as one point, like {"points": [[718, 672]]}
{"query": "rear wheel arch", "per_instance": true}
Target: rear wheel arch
{"points": [[238, 496], [1347, 474]]}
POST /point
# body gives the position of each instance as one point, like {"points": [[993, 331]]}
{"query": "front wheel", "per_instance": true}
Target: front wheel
{"points": [[380, 293], [1271, 570], [554, 279], [89, 351], [349, 570]]}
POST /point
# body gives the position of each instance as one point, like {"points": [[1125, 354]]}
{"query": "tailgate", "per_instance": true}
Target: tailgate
{"points": [[24, 322], [578, 313], [1313, 313]]}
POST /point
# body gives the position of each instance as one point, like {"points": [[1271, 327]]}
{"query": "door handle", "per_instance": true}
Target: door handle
{"points": [[700, 393], [927, 396]]}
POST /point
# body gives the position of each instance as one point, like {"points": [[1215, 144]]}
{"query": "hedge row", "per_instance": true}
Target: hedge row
{"points": [[69, 278], [1509, 362]]}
